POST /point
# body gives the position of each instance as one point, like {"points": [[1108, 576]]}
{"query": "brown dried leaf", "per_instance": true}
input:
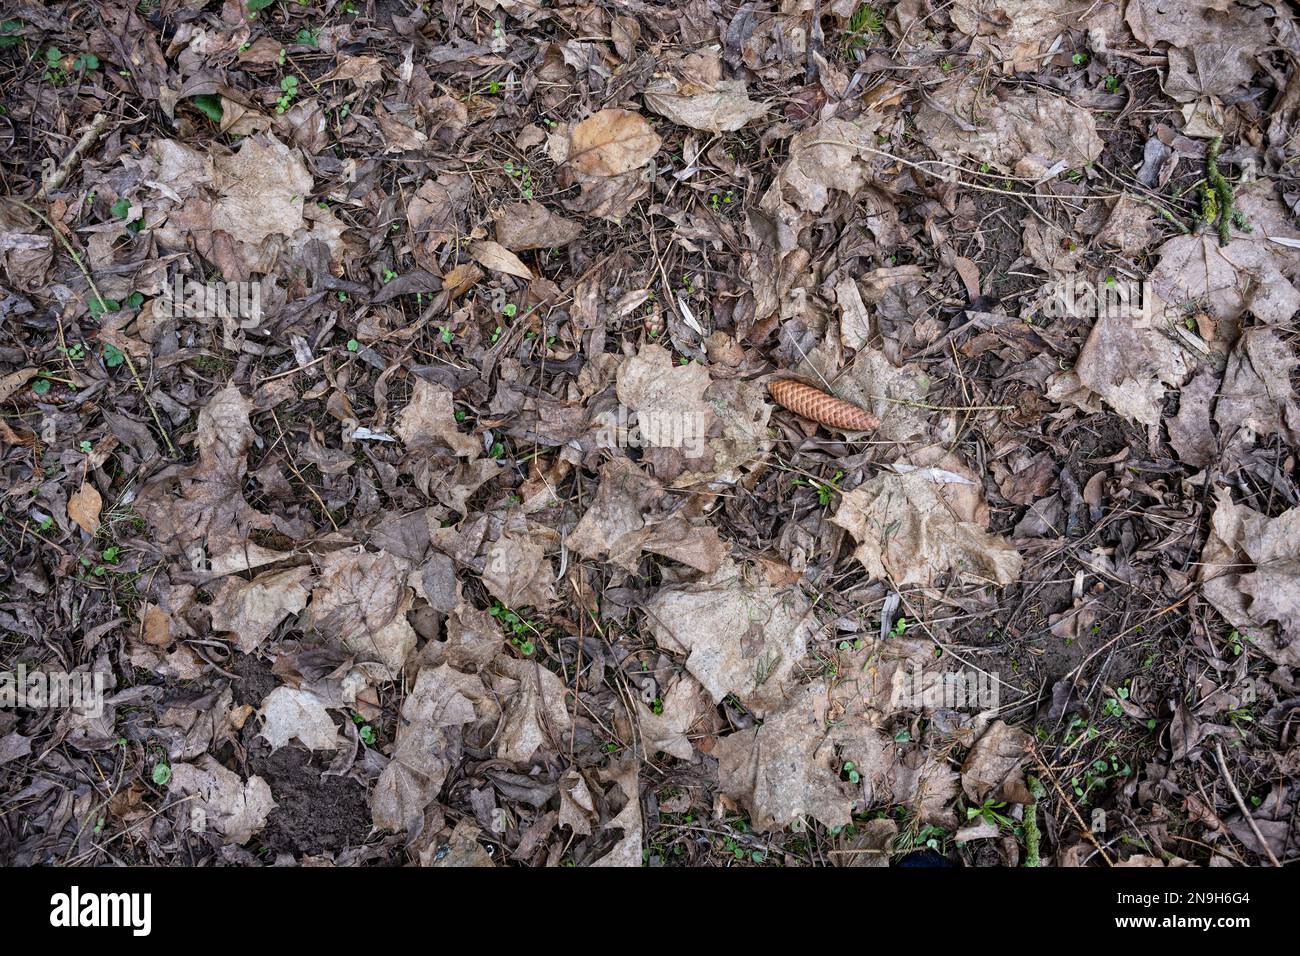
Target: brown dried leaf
{"points": [[251, 610], [530, 225], [287, 713], [1250, 572], [739, 636], [913, 527], [84, 508], [611, 142], [429, 419], [1028, 134], [262, 190], [992, 768], [428, 744], [361, 600]]}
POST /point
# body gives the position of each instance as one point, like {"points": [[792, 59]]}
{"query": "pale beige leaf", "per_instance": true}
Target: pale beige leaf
{"points": [[251, 610], [361, 600], [740, 636], [536, 714], [428, 744], [262, 190], [288, 714], [911, 529], [233, 807], [1129, 363], [723, 109], [1026, 133], [430, 419]]}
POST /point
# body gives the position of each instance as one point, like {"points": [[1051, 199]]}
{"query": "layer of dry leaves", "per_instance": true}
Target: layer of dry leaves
{"points": [[416, 567]]}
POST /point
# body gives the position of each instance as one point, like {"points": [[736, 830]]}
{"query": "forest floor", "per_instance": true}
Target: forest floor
{"points": [[391, 470]]}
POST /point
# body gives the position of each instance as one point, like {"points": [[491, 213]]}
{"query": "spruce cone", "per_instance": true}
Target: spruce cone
{"points": [[814, 404]]}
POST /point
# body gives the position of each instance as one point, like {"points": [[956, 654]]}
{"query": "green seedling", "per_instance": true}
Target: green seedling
{"points": [[519, 628], [289, 90]]}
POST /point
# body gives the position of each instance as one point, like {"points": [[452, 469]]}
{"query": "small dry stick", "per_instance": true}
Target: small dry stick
{"points": [[816, 405], [1241, 804], [71, 161]]}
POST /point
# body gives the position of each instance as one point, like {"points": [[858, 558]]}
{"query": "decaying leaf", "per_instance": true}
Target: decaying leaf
{"points": [[361, 600], [428, 743], [263, 187], [518, 570], [1128, 363], [740, 635], [233, 807], [790, 766], [530, 225], [289, 714], [681, 710], [701, 99], [1256, 396], [992, 768], [915, 526], [536, 714], [251, 610], [1028, 134], [619, 524], [84, 507], [202, 508], [1250, 572], [429, 419], [495, 257], [611, 143]]}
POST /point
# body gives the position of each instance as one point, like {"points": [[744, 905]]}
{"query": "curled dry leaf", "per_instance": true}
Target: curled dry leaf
{"points": [[361, 600], [429, 740], [1028, 134], [429, 419], [740, 636], [1250, 572]]}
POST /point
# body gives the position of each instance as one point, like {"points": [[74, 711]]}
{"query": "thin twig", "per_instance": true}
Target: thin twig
{"points": [[1241, 804]]}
